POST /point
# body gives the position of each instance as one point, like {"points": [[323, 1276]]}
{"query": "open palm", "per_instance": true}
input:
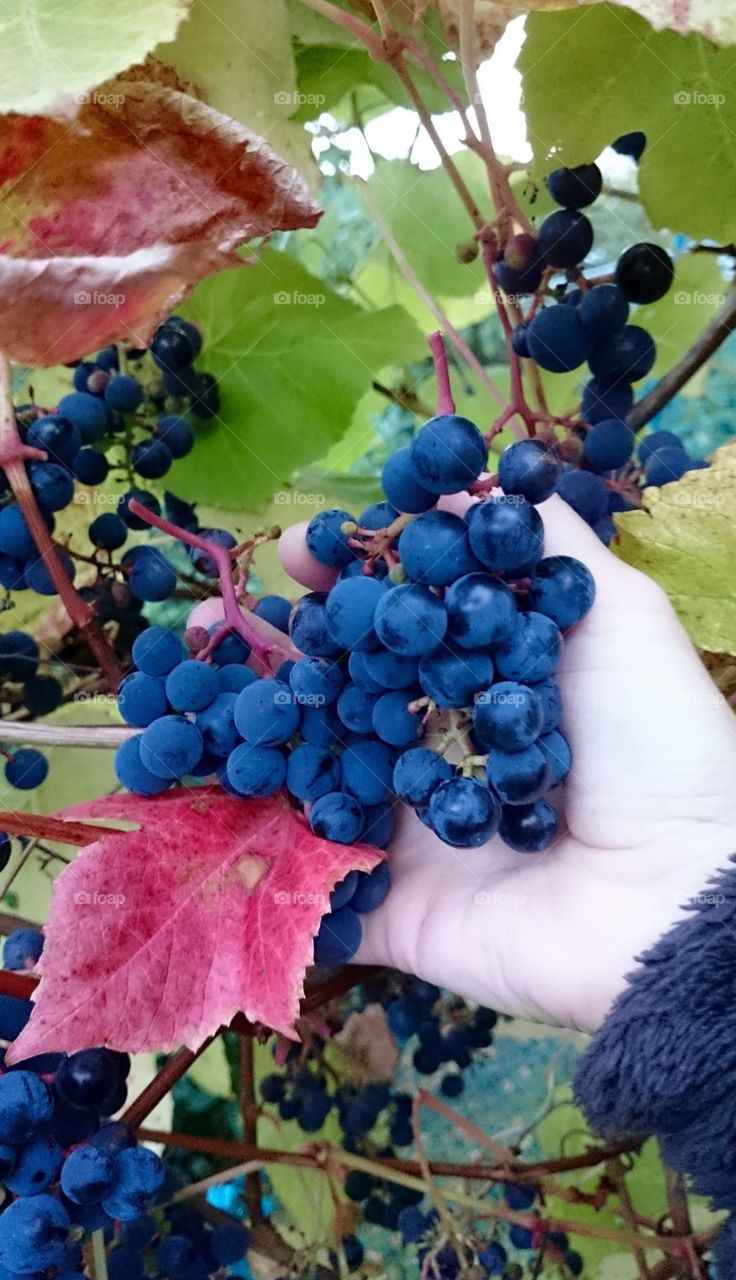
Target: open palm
{"points": [[649, 815]]}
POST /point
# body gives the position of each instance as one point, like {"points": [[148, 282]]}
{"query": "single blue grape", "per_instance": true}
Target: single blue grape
{"points": [[463, 813], [276, 610], [585, 493], [133, 774], [150, 576], [108, 532], [379, 515], [448, 454], [147, 500], [33, 1234], [312, 772], [339, 936], [327, 540], [381, 669], [658, 440], [350, 609], [171, 747], [14, 1015], [379, 824], [315, 681], [508, 716], [157, 651], [57, 436], [266, 713], [151, 459], [372, 889], [228, 647], [42, 695], [575, 188], [217, 723], [343, 891], [337, 816], [565, 238], [557, 338], [192, 686], [26, 769], [434, 548], [604, 310], [410, 620], [36, 1166], [556, 748], [529, 469], [52, 485], [625, 357], [139, 1175], [309, 627], [124, 394], [402, 489], [452, 676], [142, 699], [202, 561], [367, 771], [563, 589], [507, 535], [534, 650], [608, 445], [16, 539], [234, 676], [518, 777], [417, 773], [665, 465], [87, 413], [176, 434], [26, 1106], [393, 721], [22, 949], [355, 708], [481, 611], [629, 144], [256, 771]]}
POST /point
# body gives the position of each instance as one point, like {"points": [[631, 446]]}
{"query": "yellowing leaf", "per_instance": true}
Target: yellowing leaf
{"points": [[51, 50], [685, 538]]}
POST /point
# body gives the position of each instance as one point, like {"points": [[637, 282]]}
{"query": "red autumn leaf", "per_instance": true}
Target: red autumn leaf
{"points": [[159, 936], [108, 221]]}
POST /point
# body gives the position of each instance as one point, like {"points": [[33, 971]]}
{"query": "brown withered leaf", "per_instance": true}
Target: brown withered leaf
{"points": [[367, 1046], [107, 222]]}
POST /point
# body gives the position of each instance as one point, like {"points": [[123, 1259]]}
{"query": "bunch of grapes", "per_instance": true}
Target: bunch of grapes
{"points": [[573, 320], [177, 1244], [128, 425], [67, 1169]]}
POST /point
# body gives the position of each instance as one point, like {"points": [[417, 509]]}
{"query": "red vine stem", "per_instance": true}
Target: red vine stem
{"points": [[445, 402], [458, 342], [13, 457], [249, 1113], [42, 828], [235, 620]]}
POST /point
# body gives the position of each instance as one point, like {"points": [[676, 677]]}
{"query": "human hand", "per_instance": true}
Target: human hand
{"points": [[649, 807]]}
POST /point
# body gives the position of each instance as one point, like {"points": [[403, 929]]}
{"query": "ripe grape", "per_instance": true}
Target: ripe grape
{"points": [[644, 272], [575, 188]]}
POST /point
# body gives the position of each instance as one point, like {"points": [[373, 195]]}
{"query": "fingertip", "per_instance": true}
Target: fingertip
{"points": [[299, 562]]}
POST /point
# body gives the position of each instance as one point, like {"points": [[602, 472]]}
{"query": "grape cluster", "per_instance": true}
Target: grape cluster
{"points": [[574, 320], [22, 687], [182, 1247], [130, 422], [65, 1168]]}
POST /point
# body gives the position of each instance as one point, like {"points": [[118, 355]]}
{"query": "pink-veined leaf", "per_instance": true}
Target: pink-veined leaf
{"points": [[159, 936], [107, 221]]}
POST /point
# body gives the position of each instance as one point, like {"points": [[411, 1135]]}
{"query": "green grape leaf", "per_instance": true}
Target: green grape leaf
{"points": [[238, 58], [685, 538], [428, 221], [52, 51], [293, 358], [680, 90]]}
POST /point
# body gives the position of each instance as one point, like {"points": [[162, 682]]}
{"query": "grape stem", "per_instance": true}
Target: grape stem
{"points": [[99, 1257], [445, 402], [458, 342], [235, 620], [56, 735], [13, 456], [720, 327]]}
